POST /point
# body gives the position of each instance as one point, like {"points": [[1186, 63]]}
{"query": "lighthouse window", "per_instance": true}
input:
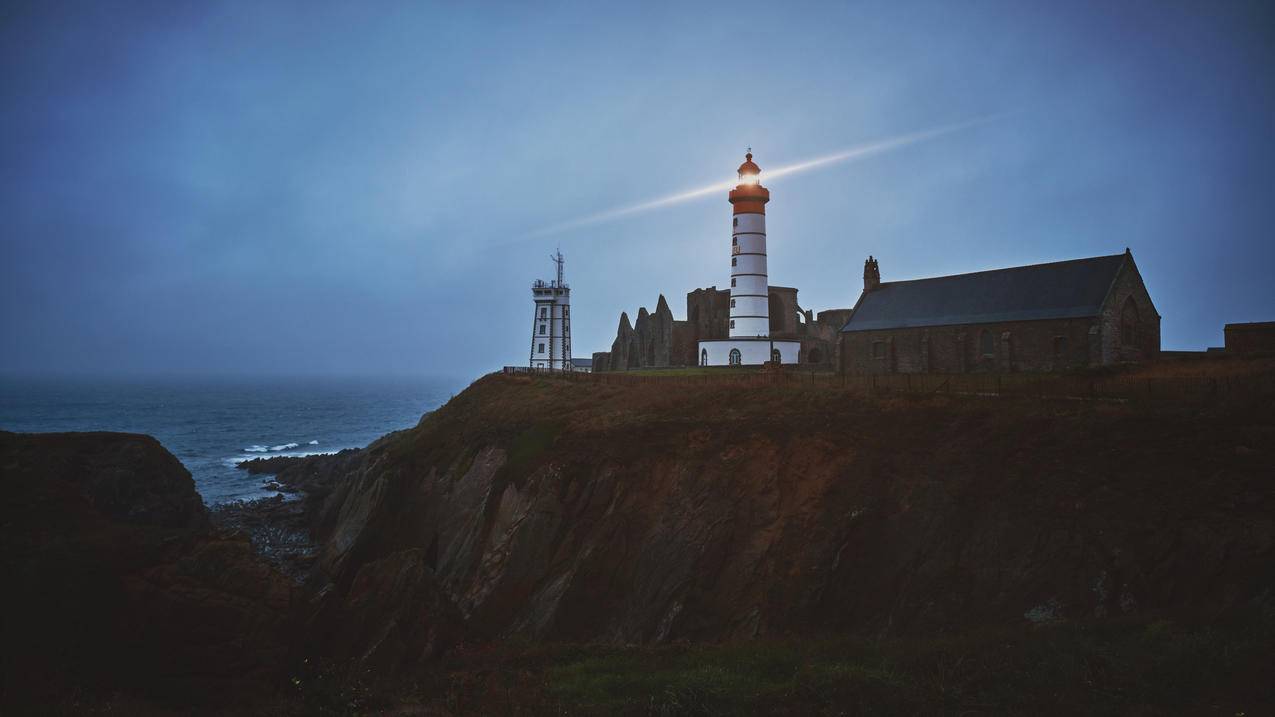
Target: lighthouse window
{"points": [[735, 357], [540, 349], [736, 222], [732, 303], [544, 312], [734, 241], [734, 261], [542, 329], [732, 283], [732, 323]]}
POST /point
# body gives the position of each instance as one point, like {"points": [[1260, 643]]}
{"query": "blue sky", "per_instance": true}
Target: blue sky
{"points": [[268, 187]]}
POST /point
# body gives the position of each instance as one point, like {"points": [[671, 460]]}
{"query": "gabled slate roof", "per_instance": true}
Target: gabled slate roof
{"points": [[582, 362], [1059, 290]]}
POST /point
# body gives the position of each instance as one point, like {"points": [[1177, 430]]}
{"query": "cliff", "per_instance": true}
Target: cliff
{"points": [[118, 589], [767, 549], [659, 512]]}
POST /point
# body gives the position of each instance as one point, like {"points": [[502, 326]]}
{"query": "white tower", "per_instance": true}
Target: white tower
{"points": [[749, 285], [750, 343], [551, 329]]}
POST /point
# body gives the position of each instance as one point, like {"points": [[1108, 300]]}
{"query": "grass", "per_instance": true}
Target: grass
{"points": [[528, 447], [1116, 667]]}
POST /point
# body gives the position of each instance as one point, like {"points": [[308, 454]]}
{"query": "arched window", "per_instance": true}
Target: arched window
{"points": [[986, 344], [735, 357], [703, 357], [1129, 323], [775, 356]]}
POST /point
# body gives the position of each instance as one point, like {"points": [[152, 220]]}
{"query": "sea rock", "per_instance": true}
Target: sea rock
{"points": [[117, 584]]}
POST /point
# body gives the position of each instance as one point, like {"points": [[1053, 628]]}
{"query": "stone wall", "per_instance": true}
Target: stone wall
{"points": [[1250, 338], [1010, 346], [708, 313], [1143, 342], [647, 343], [783, 312]]}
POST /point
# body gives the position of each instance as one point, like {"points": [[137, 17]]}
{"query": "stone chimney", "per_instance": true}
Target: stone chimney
{"points": [[871, 275]]}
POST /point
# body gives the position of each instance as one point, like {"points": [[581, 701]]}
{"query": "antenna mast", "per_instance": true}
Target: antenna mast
{"points": [[556, 258]]}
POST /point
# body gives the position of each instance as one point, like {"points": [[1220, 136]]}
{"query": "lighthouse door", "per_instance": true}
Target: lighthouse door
{"points": [[735, 357]]}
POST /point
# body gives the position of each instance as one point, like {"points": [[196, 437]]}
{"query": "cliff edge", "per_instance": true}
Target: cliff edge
{"points": [[650, 513]]}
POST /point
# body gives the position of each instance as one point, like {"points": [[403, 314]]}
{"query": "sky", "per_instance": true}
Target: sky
{"points": [[370, 188]]}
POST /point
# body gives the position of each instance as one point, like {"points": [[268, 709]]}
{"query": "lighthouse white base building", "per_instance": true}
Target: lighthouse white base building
{"points": [[747, 352], [749, 343]]}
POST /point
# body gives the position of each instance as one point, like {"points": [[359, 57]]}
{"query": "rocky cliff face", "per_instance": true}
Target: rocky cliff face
{"points": [[115, 583], [655, 512]]}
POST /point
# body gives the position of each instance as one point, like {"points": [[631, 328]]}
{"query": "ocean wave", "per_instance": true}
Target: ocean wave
{"points": [[233, 461], [314, 443], [256, 449], [284, 447]]}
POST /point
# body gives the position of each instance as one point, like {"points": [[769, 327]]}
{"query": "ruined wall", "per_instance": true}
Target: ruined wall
{"points": [[783, 312], [708, 313], [657, 340], [685, 344]]}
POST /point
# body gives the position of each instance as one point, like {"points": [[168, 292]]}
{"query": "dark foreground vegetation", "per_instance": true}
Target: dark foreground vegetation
{"points": [[547, 546], [1105, 667]]}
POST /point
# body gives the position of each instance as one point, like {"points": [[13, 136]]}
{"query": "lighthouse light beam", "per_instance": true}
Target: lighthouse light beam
{"points": [[847, 155]]}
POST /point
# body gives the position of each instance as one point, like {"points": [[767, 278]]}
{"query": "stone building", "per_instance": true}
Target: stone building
{"points": [[1044, 317], [1255, 337]]}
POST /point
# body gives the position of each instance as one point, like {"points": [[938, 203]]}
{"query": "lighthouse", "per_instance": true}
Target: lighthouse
{"points": [[551, 325], [749, 342]]}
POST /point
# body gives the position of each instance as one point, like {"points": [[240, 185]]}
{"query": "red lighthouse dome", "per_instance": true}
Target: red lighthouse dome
{"points": [[749, 197]]}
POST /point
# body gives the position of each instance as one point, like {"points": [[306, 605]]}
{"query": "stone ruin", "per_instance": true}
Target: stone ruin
{"points": [[657, 340]]}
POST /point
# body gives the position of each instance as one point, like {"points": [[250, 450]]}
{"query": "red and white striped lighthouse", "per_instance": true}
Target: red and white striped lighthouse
{"points": [[750, 342], [749, 284]]}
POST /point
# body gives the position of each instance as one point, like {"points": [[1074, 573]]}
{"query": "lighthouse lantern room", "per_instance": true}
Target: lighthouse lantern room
{"points": [[749, 342]]}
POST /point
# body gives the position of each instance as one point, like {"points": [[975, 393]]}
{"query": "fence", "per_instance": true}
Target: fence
{"points": [[1112, 387]]}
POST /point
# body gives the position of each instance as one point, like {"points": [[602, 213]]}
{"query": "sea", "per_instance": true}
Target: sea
{"points": [[214, 423]]}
